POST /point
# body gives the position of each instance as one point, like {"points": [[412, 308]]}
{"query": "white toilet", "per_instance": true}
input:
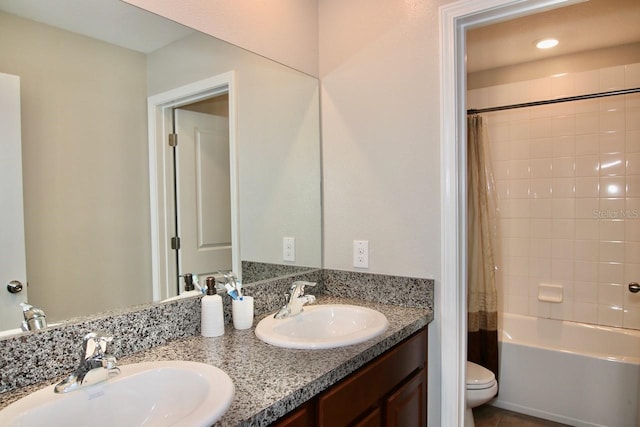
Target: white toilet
{"points": [[481, 388]]}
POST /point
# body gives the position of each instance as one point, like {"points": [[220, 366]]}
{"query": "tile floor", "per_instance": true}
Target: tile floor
{"points": [[490, 416]]}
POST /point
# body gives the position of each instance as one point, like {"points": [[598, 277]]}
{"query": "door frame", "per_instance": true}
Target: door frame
{"points": [[160, 122], [450, 321]]}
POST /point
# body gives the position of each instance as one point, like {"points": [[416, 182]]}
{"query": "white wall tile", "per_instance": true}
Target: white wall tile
{"points": [[612, 164], [587, 123], [631, 318], [519, 92], [631, 273], [563, 166], [587, 187], [632, 230], [633, 185], [611, 251], [632, 76], [612, 78], [585, 312], [563, 249], [564, 187], [478, 98], [587, 229], [562, 311], [564, 146], [589, 144], [562, 269], [540, 228], [610, 315], [540, 208], [586, 82], [611, 229], [540, 128], [519, 169], [562, 85], [540, 268], [612, 142], [541, 188], [586, 250], [498, 95], [632, 163], [632, 118], [586, 271], [612, 186], [566, 125], [585, 292], [610, 272], [563, 208], [541, 168], [540, 89], [540, 248], [587, 166], [585, 209], [543, 148], [563, 228]]}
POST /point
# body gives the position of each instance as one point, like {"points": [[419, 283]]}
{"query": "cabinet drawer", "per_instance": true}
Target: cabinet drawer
{"points": [[350, 398]]}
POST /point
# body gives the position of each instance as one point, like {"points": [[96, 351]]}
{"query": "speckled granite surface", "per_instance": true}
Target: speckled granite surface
{"points": [[271, 381], [406, 291], [256, 271]]}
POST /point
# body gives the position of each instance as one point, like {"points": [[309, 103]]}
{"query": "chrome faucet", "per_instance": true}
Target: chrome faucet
{"points": [[95, 365], [34, 318], [297, 299]]}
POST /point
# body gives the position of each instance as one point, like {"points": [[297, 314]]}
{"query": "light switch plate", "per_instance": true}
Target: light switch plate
{"points": [[288, 248]]}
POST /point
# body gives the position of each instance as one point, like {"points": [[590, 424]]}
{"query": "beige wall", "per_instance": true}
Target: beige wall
{"points": [[283, 30], [85, 182]]}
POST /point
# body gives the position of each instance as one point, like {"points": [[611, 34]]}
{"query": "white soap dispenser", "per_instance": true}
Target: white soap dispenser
{"points": [[212, 317]]}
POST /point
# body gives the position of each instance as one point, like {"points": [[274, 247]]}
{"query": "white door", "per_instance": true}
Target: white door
{"points": [[204, 193], [13, 266]]}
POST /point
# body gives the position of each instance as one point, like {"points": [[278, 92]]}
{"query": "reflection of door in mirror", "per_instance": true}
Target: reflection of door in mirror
{"points": [[12, 248], [203, 198]]}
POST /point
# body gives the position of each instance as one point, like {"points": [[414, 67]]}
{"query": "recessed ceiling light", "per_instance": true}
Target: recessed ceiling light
{"points": [[546, 43]]}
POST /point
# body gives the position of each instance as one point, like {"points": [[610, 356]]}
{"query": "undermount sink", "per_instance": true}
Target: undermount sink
{"points": [[175, 393], [323, 326]]}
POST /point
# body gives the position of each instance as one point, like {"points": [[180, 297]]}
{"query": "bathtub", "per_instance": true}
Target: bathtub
{"points": [[573, 373]]}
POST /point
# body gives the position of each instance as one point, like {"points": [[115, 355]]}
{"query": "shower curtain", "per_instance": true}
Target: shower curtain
{"points": [[482, 320]]}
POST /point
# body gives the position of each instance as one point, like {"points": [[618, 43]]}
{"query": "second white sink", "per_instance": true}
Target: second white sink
{"points": [[174, 393], [323, 326]]}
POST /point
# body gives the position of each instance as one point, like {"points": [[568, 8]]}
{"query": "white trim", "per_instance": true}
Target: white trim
{"points": [[160, 167], [455, 19]]}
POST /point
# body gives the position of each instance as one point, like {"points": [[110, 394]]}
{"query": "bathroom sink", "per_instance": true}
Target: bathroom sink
{"points": [[323, 326], [172, 393]]}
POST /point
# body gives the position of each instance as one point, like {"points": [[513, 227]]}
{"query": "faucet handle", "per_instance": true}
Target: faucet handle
{"points": [[94, 344], [301, 285]]}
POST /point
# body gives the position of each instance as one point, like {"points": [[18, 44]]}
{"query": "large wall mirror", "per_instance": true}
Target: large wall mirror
{"points": [[87, 70]]}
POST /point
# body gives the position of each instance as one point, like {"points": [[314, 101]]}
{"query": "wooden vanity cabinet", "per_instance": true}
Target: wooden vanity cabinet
{"points": [[389, 391]]}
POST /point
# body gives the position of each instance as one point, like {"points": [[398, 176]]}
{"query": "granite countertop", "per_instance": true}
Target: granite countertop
{"points": [[271, 381]]}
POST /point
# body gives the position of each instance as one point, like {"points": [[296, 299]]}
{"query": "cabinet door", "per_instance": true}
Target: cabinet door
{"points": [[373, 419], [407, 407], [304, 416]]}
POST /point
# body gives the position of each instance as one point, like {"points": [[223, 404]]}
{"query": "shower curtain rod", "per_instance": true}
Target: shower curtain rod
{"points": [[555, 101]]}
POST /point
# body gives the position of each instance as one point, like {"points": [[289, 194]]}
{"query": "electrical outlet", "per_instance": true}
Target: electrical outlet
{"points": [[288, 248], [361, 253]]}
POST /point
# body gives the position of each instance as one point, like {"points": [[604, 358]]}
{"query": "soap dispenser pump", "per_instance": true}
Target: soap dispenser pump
{"points": [[212, 316]]}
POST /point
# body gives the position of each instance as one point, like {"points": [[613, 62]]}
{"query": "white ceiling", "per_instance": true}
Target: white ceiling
{"points": [[135, 29], [581, 27]]}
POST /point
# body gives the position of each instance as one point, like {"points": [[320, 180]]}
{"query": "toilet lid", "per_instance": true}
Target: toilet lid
{"points": [[479, 377]]}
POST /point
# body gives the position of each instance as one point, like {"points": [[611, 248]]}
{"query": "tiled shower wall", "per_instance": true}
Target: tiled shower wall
{"points": [[568, 181]]}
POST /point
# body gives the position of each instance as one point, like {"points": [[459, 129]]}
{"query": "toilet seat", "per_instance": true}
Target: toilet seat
{"points": [[479, 377]]}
